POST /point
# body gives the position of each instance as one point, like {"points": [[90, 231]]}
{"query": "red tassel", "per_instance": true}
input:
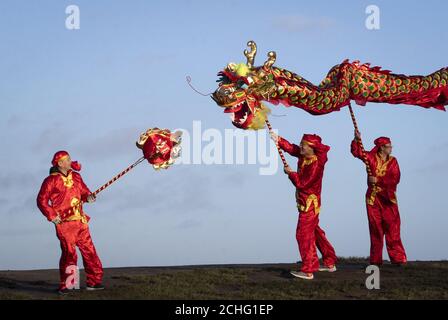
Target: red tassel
{"points": [[76, 166]]}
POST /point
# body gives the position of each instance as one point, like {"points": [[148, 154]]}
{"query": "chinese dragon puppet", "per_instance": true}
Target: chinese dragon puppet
{"points": [[243, 88], [160, 148]]}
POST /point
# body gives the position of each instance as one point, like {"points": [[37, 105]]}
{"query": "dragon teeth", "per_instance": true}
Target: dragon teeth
{"points": [[243, 119]]}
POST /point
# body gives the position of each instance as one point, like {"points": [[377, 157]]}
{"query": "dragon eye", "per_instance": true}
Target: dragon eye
{"points": [[241, 84]]}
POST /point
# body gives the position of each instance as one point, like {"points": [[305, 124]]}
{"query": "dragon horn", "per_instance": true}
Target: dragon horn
{"points": [[250, 55], [272, 56]]}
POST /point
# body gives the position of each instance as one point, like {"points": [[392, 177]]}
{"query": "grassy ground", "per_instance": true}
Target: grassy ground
{"points": [[418, 280]]}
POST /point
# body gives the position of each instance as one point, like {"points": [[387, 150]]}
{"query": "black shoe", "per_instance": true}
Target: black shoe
{"points": [[64, 292], [96, 287]]}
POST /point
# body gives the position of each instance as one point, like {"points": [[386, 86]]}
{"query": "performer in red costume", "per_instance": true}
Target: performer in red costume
{"points": [[60, 200], [381, 201], [312, 156]]}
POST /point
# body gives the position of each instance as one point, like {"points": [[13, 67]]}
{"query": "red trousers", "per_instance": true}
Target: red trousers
{"points": [[309, 235], [384, 220], [74, 234]]}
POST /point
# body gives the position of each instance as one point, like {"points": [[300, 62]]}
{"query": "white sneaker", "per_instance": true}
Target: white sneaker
{"points": [[328, 269], [302, 275]]}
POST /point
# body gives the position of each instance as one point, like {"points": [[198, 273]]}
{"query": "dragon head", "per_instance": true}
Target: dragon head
{"points": [[160, 147], [242, 87]]}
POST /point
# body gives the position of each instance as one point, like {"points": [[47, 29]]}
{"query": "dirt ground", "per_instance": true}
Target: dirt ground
{"points": [[417, 280]]}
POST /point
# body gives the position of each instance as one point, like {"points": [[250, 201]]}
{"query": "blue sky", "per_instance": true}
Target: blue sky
{"points": [[92, 91]]}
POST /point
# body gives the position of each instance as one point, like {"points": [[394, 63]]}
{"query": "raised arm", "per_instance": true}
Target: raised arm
{"points": [[355, 148], [288, 147]]}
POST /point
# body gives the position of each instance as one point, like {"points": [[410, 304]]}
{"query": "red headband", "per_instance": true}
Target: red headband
{"points": [[60, 155], [381, 141], [315, 142]]}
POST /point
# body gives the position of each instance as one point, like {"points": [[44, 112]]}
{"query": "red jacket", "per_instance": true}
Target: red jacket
{"points": [[61, 195], [387, 174], [308, 178]]}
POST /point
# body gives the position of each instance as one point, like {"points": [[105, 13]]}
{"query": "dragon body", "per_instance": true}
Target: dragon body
{"points": [[243, 88]]}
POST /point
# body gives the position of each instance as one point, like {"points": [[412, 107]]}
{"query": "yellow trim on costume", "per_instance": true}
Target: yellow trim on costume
{"points": [[311, 200], [381, 166], [308, 161], [380, 171], [67, 180], [371, 199], [77, 211]]}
